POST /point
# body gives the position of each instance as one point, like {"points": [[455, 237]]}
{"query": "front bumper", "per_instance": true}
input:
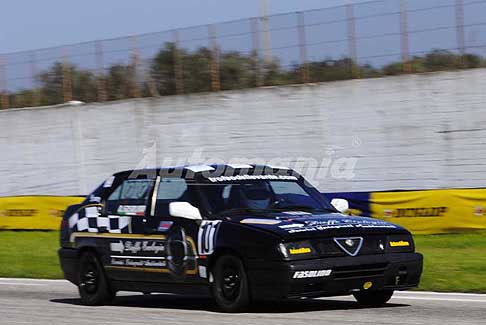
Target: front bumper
{"points": [[278, 279]]}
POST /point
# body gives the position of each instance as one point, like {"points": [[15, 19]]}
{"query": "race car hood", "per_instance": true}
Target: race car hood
{"points": [[301, 225]]}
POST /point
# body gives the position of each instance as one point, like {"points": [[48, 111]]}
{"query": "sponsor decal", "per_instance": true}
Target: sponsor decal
{"points": [[131, 210], [401, 243], [138, 261], [18, 213], [251, 177], [164, 226], [326, 224], [147, 253], [135, 247], [311, 274], [302, 250], [260, 221], [206, 237], [420, 212]]}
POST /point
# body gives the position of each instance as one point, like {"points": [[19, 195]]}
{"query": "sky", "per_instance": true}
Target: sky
{"points": [[31, 24]]}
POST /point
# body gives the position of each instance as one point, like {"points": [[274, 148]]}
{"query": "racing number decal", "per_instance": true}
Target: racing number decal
{"points": [[206, 237]]}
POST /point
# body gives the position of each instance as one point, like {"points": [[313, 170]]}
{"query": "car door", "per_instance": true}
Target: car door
{"points": [[129, 249], [180, 233]]}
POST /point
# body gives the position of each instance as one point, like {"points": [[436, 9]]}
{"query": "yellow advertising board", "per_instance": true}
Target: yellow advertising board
{"points": [[432, 211], [421, 212], [34, 212]]}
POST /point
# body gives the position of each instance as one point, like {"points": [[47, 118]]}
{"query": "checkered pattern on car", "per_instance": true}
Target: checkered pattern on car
{"points": [[89, 220]]}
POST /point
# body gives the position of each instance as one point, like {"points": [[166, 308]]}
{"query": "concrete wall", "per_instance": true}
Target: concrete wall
{"points": [[418, 131]]}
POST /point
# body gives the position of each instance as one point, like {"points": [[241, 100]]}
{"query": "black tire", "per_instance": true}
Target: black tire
{"points": [[94, 287], [230, 287], [373, 298]]}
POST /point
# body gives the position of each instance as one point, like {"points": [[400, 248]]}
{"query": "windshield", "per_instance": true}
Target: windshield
{"points": [[262, 195]]}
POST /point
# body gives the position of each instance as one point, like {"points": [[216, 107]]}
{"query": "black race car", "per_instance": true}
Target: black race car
{"points": [[238, 232]]}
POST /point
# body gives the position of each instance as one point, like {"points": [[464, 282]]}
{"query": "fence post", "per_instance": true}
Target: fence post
{"points": [[255, 33], [406, 64], [3, 84], [178, 73], [100, 67], [214, 60], [34, 75], [134, 80], [67, 86], [304, 65], [267, 39], [461, 43], [353, 52]]}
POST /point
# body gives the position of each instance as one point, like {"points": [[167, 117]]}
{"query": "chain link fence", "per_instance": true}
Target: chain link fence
{"points": [[364, 40]]}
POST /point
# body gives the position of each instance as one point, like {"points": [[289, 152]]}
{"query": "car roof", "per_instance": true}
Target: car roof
{"points": [[202, 169]]}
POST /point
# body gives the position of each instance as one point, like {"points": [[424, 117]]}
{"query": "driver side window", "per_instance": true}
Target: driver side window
{"points": [[173, 190]]}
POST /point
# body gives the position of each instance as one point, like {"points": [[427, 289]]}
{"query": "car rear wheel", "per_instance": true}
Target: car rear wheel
{"points": [[94, 288], [373, 298], [230, 287]]}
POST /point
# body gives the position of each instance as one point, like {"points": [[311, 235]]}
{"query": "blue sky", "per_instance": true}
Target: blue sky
{"points": [[31, 24]]}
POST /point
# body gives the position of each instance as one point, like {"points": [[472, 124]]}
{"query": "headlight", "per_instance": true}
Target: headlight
{"points": [[400, 243], [299, 249]]}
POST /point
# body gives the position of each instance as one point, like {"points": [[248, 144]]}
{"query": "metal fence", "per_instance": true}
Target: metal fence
{"points": [[360, 38]]}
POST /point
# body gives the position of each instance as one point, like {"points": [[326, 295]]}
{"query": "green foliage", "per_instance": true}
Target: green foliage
{"points": [[196, 71], [51, 85], [437, 60], [236, 71], [23, 98], [118, 82], [162, 69], [83, 83], [453, 262], [30, 254]]}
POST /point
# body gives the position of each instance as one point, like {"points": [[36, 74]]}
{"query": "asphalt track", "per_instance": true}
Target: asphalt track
{"points": [[24, 301]]}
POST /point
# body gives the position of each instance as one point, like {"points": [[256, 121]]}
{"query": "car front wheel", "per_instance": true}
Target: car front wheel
{"points": [[373, 298], [94, 288], [230, 287]]}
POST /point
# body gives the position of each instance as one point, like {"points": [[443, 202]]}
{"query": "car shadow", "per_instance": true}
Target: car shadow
{"points": [[203, 303]]}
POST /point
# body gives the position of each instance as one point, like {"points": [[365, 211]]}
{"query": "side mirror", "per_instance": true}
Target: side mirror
{"points": [[342, 205], [184, 210]]}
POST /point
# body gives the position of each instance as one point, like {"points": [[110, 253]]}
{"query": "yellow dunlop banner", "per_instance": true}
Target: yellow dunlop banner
{"points": [[34, 212], [432, 211]]}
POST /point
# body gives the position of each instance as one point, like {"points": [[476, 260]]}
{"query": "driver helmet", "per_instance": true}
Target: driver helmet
{"points": [[255, 195]]}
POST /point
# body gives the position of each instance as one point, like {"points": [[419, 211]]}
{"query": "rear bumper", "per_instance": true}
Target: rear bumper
{"points": [[69, 263], [338, 276]]}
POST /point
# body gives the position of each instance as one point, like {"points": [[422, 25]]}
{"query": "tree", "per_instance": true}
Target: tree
{"points": [[162, 69], [83, 84]]}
